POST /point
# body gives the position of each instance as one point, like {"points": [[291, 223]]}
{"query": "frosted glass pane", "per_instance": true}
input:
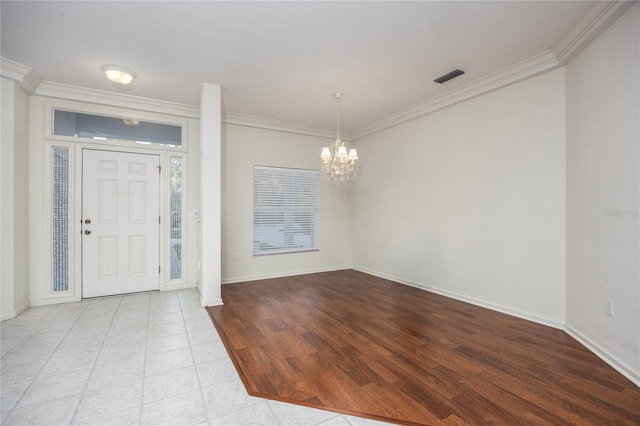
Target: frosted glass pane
{"points": [[175, 187], [79, 125], [60, 215]]}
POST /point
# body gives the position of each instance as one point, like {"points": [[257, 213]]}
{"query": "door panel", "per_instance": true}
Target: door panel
{"points": [[120, 214]]}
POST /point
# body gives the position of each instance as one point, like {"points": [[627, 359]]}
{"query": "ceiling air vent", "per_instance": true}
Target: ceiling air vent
{"points": [[448, 76]]}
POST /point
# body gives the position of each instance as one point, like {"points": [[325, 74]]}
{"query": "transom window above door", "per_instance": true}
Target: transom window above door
{"points": [[100, 127]]}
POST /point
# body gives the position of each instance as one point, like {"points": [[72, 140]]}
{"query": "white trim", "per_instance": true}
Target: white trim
{"points": [[182, 282], [24, 76], [281, 126], [91, 96], [211, 302], [594, 22], [40, 146], [46, 302], [51, 105], [619, 365], [286, 274], [72, 293], [533, 66], [478, 302], [101, 97], [177, 286], [15, 312]]}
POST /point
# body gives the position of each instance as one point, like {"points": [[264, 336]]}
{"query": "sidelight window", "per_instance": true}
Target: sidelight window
{"points": [[60, 218], [176, 196]]}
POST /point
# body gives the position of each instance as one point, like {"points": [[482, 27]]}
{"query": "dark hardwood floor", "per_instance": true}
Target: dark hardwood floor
{"points": [[357, 344]]}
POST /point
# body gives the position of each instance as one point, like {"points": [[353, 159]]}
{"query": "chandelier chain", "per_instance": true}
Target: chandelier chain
{"points": [[339, 107]]}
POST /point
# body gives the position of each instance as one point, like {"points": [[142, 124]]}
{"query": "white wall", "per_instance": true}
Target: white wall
{"points": [[603, 185], [14, 252], [471, 200], [244, 147]]}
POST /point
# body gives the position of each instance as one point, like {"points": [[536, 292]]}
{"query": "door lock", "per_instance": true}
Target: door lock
{"points": [[87, 221], [87, 232]]}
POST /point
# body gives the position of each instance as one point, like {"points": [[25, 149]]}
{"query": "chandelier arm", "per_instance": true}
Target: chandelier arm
{"points": [[337, 163]]}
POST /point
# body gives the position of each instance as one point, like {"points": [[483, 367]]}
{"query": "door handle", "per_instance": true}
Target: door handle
{"points": [[87, 221], [87, 232]]}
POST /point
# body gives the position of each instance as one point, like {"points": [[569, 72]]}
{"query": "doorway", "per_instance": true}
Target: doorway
{"points": [[120, 222]]}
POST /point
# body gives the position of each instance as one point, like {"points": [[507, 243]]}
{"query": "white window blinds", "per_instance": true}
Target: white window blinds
{"points": [[285, 210]]}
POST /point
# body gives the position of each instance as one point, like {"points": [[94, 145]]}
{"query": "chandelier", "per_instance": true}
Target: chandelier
{"points": [[336, 163]]}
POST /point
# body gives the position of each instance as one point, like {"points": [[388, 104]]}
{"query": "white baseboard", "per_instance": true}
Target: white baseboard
{"points": [[620, 366], [478, 302], [15, 312], [211, 302], [281, 275], [22, 308], [180, 286], [624, 369]]}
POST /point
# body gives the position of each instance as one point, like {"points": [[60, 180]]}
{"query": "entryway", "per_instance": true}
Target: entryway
{"points": [[120, 222]]}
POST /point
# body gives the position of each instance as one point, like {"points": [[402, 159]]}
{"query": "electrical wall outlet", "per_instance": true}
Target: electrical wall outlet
{"points": [[392, 254], [234, 256], [610, 307]]}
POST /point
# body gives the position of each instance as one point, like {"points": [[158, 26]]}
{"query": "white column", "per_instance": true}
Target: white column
{"points": [[14, 260], [6, 208], [210, 192]]}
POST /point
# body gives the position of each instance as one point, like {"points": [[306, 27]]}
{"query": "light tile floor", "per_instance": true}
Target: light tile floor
{"points": [[151, 358]]}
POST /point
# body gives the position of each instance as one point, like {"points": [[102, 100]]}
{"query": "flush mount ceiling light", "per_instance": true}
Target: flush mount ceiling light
{"points": [[118, 75], [130, 121], [338, 166]]}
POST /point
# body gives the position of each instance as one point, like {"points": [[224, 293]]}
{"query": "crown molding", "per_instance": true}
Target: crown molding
{"points": [[597, 19], [68, 92], [280, 126], [523, 70], [24, 76]]}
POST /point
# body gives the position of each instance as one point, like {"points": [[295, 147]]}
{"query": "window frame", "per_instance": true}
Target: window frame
{"points": [[307, 184], [183, 220], [72, 244], [41, 144], [114, 112], [124, 139]]}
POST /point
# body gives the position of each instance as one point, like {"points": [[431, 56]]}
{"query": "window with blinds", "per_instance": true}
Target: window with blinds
{"points": [[285, 210]]}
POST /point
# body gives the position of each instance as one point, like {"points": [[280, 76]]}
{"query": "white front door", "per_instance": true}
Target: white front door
{"points": [[120, 223]]}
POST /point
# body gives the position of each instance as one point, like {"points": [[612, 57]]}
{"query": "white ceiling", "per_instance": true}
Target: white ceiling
{"points": [[284, 60]]}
